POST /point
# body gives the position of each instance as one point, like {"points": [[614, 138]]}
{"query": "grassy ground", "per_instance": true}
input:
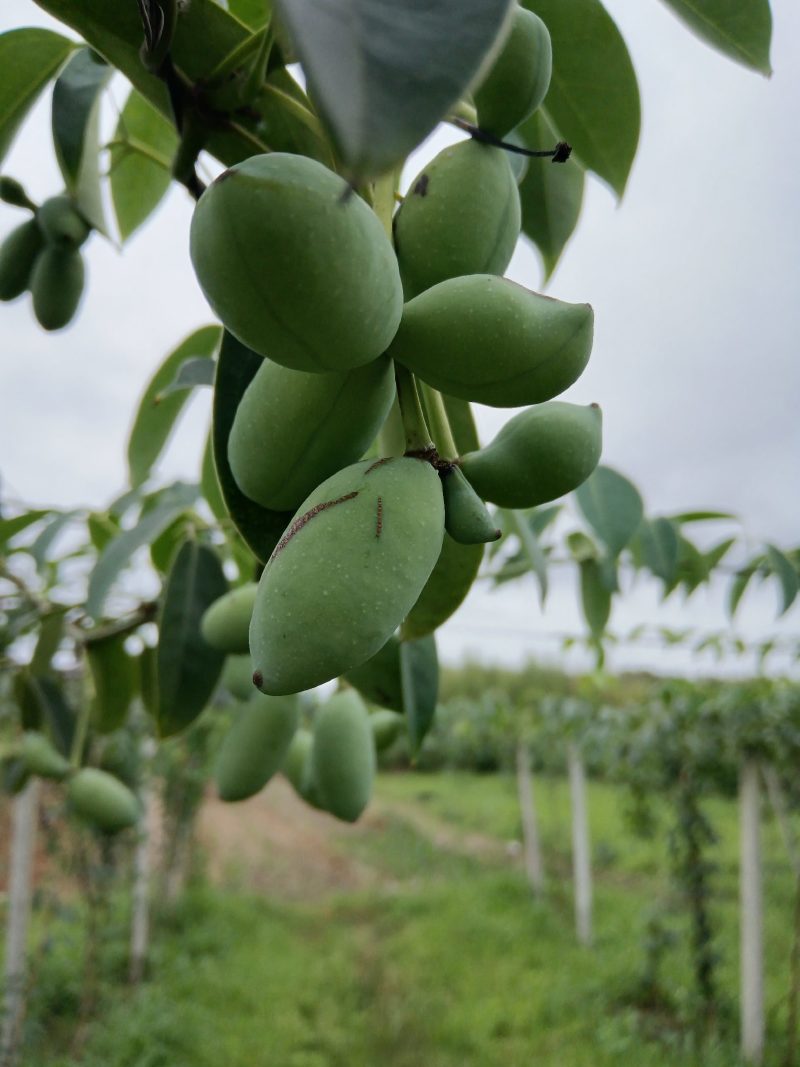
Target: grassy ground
{"points": [[435, 955]]}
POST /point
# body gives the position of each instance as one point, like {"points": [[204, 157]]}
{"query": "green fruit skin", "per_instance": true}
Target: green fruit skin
{"points": [[61, 223], [255, 747], [18, 254], [343, 756], [57, 286], [292, 430], [378, 680], [346, 572], [295, 267], [101, 800], [538, 456], [237, 676], [386, 728], [446, 589], [40, 757], [460, 216], [518, 81], [297, 766], [465, 516], [489, 340], [225, 624]]}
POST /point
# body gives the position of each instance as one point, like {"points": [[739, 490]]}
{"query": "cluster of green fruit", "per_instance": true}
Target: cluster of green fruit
{"points": [[43, 256], [342, 305]]}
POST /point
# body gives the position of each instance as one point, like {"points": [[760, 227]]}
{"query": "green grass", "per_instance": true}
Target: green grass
{"points": [[449, 963]]}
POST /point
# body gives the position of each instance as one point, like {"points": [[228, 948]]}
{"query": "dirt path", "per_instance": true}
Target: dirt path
{"points": [[278, 845]]}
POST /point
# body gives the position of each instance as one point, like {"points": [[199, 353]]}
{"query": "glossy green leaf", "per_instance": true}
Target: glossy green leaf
{"points": [[612, 506], [384, 72], [117, 553], [531, 550], [253, 13], [658, 543], [141, 165], [551, 194], [103, 527], [593, 98], [116, 681], [686, 517], [715, 555], [164, 547], [40, 547], [787, 576], [29, 58], [51, 630], [9, 528], [209, 483], [419, 674], [738, 587], [76, 99], [188, 669], [197, 370], [595, 598], [156, 419], [741, 29], [260, 528]]}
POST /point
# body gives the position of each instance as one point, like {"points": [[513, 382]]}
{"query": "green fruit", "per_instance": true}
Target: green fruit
{"points": [[41, 757], [444, 592], [237, 676], [226, 623], [256, 745], [378, 680], [461, 215], [57, 286], [61, 223], [386, 727], [121, 757], [465, 516], [343, 755], [487, 339], [519, 78], [348, 569], [539, 455], [297, 765], [101, 800], [292, 430], [296, 265], [18, 254]]}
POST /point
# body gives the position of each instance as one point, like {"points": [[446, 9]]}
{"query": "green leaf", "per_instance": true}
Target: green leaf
{"points": [[148, 679], [253, 13], [155, 420], [209, 483], [141, 167], [188, 669], [419, 679], [117, 553], [531, 550], [741, 29], [41, 546], [51, 631], [384, 72], [593, 98], [612, 506], [102, 528], [715, 555], [9, 528], [595, 598], [551, 195], [197, 370], [738, 587], [582, 547], [658, 542], [164, 547], [76, 99], [42, 703], [260, 528], [29, 58], [787, 576], [685, 517], [116, 681]]}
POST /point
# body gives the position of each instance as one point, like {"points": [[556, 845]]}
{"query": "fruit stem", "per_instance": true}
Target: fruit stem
{"points": [[81, 730], [559, 154], [438, 422], [383, 199], [418, 438]]}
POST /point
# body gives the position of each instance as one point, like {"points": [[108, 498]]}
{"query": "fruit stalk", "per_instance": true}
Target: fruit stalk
{"points": [[418, 438]]}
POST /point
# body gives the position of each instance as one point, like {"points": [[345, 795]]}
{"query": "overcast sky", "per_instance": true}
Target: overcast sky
{"points": [[696, 288]]}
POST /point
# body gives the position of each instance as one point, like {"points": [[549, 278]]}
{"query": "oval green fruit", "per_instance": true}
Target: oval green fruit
{"points": [[296, 265], [102, 801], [466, 518], [237, 675], [292, 430], [538, 456], [57, 286], [461, 215], [379, 680], [490, 340], [18, 254], [348, 569], [343, 755], [297, 766], [519, 78], [41, 757], [225, 624], [451, 579], [256, 745], [386, 727], [61, 223]]}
